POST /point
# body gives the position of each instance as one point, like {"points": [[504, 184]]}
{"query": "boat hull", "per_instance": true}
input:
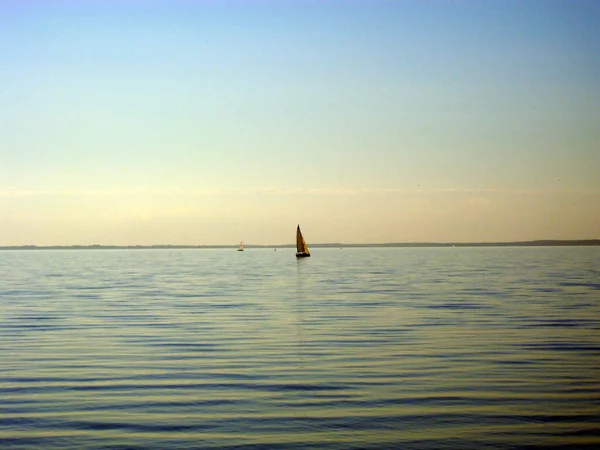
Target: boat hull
{"points": [[302, 255]]}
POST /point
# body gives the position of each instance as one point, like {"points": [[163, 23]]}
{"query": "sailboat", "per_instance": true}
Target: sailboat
{"points": [[301, 248], [241, 249]]}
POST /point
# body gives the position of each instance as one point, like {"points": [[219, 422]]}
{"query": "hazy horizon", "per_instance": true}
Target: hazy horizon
{"points": [[250, 245], [209, 123]]}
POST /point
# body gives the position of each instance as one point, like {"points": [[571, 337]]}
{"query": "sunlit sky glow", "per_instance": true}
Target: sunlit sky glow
{"points": [[205, 122]]}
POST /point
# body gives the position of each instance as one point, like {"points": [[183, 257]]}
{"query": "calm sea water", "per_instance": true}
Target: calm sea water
{"points": [[353, 348]]}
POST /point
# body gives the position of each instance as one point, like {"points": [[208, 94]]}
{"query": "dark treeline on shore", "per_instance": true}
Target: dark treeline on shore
{"points": [[538, 243]]}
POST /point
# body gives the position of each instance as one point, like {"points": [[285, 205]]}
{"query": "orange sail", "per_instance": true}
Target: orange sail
{"points": [[301, 248]]}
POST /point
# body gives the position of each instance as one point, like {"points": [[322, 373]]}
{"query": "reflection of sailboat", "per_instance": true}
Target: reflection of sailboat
{"points": [[301, 248], [241, 249]]}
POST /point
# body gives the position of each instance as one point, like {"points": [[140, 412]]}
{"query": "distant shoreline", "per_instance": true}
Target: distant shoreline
{"points": [[538, 243]]}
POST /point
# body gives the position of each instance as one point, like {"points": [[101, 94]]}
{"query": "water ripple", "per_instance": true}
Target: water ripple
{"points": [[366, 348]]}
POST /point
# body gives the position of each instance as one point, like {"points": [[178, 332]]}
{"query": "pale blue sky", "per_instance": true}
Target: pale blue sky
{"points": [[182, 122]]}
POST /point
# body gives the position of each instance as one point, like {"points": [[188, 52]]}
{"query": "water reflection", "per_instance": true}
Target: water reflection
{"points": [[389, 348]]}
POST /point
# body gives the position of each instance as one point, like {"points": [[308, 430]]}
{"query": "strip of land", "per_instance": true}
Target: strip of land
{"points": [[539, 243]]}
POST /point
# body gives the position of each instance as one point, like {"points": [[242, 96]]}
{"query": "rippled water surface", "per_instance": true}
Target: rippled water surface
{"points": [[353, 348]]}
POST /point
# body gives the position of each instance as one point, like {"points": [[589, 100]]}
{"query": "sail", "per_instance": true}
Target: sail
{"points": [[299, 240], [241, 249], [305, 248], [301, 248]]}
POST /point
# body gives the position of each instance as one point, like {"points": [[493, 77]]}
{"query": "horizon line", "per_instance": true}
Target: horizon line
{"points": [[536, 242]]}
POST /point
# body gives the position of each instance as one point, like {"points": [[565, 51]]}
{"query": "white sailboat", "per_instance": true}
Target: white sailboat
{"points": [[301, 248], [241, 249]]}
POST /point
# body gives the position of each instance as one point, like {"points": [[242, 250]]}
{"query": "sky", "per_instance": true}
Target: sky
{"points": [[211, 122]]}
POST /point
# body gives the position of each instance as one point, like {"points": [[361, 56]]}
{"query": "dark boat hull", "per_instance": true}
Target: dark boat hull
{"points": [[302, 255]]}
